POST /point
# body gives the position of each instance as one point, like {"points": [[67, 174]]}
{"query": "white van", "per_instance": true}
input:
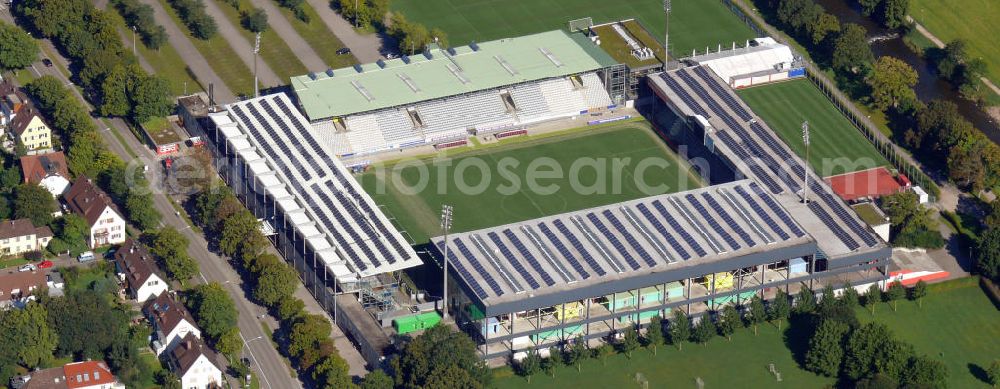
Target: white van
{"points": [[86, 256]]}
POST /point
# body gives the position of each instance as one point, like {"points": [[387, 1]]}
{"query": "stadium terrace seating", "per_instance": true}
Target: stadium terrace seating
{"points": [[561, 97], [363, 133], [337, 141], [594, 91], [450, 118], [396, 126]]}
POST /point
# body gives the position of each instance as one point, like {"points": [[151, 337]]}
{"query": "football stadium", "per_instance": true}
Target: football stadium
{"points": [[574, 265]]}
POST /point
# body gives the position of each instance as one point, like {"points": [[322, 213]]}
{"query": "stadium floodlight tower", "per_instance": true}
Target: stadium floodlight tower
{"points": [[666, 35], [805, 177], [256, 51], [446, 215]]}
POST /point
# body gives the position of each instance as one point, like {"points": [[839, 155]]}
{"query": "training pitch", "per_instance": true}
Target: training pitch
{"points": [[784, 106], [693, 24], [587, 157]]}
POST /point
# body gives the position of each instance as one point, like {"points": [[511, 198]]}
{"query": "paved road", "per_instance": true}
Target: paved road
{"points": [[242, 47], [191, 56], [283, 27], [366, 48]]}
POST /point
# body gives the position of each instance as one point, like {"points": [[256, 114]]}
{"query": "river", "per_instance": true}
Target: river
{"points": [[929, 87]]}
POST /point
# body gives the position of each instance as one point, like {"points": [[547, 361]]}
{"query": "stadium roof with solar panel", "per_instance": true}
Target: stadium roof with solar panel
{"points": [[441, 73], [312, 190]]}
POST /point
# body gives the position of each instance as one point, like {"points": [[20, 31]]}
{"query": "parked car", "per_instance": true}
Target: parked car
{"points": [[343, 50], [45, 264], [47, 62], [86, 256], [28, 267]]}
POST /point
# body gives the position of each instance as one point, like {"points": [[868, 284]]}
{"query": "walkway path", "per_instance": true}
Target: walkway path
{"points": [[366, 48], [242, 47], [940, 44], [192, 57], [277, 21]]}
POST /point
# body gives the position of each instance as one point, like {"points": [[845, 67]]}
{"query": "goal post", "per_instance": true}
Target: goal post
{"points": [[582, 24]]}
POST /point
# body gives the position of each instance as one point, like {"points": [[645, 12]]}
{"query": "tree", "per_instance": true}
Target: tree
{"points": [[151, 97], [140, 210], [829, 299], [114, 89], [529, 365], [850, 296], [779, 309], [230, 344], [26, 334], [993, 373], [851, 53], [549, 365], [873, 297], [577, 352], [918, 292], [755, 313], [654, 334], [630, 342], [435, 349], [168, 380], [826, 348], [170, 246], [894, 13], [31, 201], [868, 7], [275, 280], [332, 373], [704, 330], [235, 231], [377, 379], [894, 293], [305, 336], [254, 20], [213, 309], [823, 26], [891, 82], [805, 301], [290, 307], [603, 351], [728, 322], [988, 260], [871, 349], [680, 328], [17, 49], [924, 372], [73, 230]]}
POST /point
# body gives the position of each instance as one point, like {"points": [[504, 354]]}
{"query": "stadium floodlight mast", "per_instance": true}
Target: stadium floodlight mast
{"points": [[666, 35], [805, 177], [256, 50], [446, 216]]}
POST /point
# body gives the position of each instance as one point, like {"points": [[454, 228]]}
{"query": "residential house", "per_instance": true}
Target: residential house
{"points": [[135, 267], [171, 322], [11, 101], [76, 375], [21, 236], [17, 288], [48, 170], [107, 226], [28, 127], [193, 362]]}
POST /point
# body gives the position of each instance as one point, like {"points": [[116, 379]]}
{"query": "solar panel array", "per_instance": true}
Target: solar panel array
{"points": [[618, 240], [768, 160], [349, 219]]}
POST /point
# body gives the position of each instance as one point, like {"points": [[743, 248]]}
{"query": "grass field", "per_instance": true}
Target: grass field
{"points": [[482, 20], [959, 326], [417, 214], [975, 21], [221, 56], [273, 49], [319, 37], [784, 106]]}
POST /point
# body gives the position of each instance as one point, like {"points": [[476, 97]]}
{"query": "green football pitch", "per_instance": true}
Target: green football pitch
{"points": [[490, 185], [694, 24], [836, 147]]}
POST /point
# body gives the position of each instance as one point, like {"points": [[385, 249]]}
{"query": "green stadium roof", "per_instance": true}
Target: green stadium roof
{"points": [[441, 73]]}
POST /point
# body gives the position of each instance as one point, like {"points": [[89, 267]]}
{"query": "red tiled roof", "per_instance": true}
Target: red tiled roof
{"points": [[83, 374], [875, 182], [37, 167]]}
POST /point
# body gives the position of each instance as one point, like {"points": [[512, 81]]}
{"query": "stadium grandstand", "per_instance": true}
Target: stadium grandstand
{"points": [[318, 216], [592, 273], [448, 94]]}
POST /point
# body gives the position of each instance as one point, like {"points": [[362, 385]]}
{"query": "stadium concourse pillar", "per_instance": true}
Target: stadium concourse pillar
{"points": [[688, 305]]}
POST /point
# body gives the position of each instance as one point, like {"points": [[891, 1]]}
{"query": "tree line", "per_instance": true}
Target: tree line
{"points": [[192, 13], [139, 16], [411, 37], [17, 49]]}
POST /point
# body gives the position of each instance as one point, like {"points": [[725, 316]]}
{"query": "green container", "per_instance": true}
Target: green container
{"points": [[554, 334], [675, 290], [731, 298], [408, 324], [642, 316]]}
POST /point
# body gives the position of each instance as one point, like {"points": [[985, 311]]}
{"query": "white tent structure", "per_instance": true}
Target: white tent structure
{"points": [[763, 60]]}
